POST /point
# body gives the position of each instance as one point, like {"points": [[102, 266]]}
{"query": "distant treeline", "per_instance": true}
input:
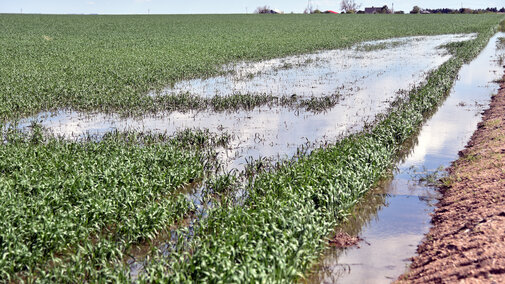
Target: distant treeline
{"points": [[417, 10], [385, 10]]}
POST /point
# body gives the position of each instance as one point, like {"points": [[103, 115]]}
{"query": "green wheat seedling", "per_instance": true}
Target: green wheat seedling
{"points": [[69, 210]]}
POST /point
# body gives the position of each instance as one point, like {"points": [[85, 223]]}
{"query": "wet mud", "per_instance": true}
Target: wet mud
{"points": [[344, 240]]}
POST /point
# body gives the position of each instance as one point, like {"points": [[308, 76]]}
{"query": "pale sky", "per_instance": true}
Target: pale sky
{"points": [[215, 7]]}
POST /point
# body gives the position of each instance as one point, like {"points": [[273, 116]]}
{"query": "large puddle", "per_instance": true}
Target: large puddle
{"points": [[367, 77], [393, 219]]}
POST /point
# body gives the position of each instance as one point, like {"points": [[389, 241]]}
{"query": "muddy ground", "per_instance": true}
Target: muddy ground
{"points": [[466, 243]]}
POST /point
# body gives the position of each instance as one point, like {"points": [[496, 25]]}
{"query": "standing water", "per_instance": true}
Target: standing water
{"points": [[366, 78], [393, 219]]}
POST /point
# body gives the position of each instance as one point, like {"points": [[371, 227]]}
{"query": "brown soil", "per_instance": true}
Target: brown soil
{"points": [[466, 243], [344, 240]]}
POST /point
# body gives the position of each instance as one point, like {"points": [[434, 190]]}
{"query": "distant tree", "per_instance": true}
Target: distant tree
{"points": [[385, 10], [316, 11], [465, 11], [309, 9], [502, 10], [415, 10], [262, 10], [349, 6]]}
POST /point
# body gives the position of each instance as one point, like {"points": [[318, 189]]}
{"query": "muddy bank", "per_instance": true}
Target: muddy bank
{"points": [[467, 240]]}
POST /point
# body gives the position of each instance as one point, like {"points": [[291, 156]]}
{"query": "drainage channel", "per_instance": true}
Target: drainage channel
{"points": [[393, 218]]}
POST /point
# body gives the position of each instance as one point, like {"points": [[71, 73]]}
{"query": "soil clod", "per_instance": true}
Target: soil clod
{"points": [[344, 240]]}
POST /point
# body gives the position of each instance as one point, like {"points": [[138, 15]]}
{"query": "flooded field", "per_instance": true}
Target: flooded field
{"points": [[393, 219], [366, 78], [223, 148], [377, 65]]}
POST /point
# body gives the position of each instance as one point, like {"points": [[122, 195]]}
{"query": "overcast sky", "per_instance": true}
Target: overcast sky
{"points": [[213, 7]]}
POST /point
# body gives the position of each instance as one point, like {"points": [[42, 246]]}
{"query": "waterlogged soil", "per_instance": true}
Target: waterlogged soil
{"points": [[367, 78], [467, 240], [393, 218]]}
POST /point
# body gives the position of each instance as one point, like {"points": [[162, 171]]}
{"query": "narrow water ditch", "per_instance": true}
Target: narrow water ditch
{"points": [[393, 218]]}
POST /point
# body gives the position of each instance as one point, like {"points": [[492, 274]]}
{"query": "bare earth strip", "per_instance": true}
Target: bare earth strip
{"points": [[467, 241]]}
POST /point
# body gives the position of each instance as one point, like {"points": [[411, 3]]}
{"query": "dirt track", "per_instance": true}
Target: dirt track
{"points": [[466, 243]]}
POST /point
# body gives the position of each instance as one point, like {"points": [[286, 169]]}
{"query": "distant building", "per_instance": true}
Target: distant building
{"points": [[276, 11], [378, 10], [267, 10], [373, 10]]}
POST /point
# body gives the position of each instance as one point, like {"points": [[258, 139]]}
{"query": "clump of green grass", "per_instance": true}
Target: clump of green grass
{"points": [[239, 101], [429, 177], [453, 47], [500, 60], [319, 104], [501, 27], [201, 139], [380, 46], [222, 184], [501, 43]]}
